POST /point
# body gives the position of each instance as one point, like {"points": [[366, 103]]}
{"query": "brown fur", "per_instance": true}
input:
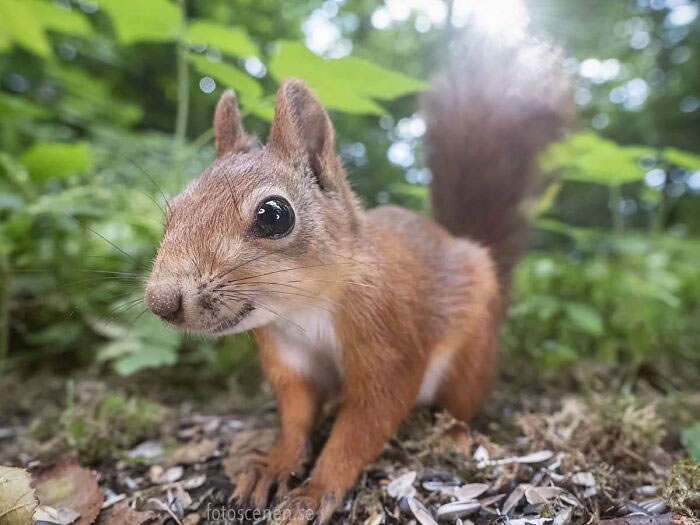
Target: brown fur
{"points": [[373, 308]]}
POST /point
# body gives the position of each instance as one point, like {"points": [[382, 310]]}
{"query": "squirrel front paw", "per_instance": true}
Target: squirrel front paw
{"points": [[306, 503], [255, 484]]}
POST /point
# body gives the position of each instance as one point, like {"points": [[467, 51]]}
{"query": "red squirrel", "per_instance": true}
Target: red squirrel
{"points": [[381, 309]]}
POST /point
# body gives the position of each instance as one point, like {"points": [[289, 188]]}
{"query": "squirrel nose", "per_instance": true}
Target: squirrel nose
{"points": [[165, 302]]}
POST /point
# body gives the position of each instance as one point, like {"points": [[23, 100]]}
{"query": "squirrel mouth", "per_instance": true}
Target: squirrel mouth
{"points": [[227, 324]]}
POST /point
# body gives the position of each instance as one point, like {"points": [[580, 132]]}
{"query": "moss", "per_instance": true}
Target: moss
{"points": [[112, 425], [682, 490]]}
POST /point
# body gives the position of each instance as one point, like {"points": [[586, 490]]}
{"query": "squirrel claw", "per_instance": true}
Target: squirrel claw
{"points": [[254, 485], [306, 505]]}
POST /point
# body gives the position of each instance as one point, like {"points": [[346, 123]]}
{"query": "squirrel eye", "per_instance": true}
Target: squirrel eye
{"points": [[274, 218]]}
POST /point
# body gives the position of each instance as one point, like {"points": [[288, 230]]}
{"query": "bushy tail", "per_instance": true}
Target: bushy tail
{"points": [[488, 115]]}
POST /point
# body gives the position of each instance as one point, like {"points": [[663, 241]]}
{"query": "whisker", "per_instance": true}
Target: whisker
{"points": [[136, 319], [194, 261], [233, 196], [103, 238], [121, 309], [225, 285], [248, 295], [110, 272], [149, 196], [330, 281], [236, 290], [132, 161], [115, 258], [266, 307], [100, 279], [226, 272], [285, 270]]}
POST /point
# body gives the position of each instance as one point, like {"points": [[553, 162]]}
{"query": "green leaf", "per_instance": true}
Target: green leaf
{"points": [[19, 107], [5, 40], [20, 25], [245, 86], [575, 232], [138, 21], [691, 440], [683, 159], [57, 18], [584, 318], [348, 84], [229, 39], [152, 356], [51, 160], [587, 157]]}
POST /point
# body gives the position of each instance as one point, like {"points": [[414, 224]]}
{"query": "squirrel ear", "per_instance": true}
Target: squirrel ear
{"points": [[302, 129], [228, 127]]}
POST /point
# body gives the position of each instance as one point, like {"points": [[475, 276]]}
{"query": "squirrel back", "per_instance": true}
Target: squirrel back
{"points": [[490, 112]]}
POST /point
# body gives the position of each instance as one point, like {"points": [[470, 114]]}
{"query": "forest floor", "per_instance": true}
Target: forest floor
{"points": [[542, 452]]}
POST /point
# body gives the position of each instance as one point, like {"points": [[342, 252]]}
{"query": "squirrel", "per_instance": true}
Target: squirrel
{"points": [[379, 309]]}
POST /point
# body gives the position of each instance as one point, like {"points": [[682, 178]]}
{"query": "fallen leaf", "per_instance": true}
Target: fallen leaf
{"points": [[122, 514], [193, 452], [70, 486], [17, 498]]}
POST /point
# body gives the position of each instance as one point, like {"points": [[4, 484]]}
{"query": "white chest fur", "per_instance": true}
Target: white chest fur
{"points": [[311, 346]]}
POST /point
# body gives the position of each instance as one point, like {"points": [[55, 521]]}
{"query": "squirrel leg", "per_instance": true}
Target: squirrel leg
{"points": [[469, 377], [298, 406], [369, 416]]}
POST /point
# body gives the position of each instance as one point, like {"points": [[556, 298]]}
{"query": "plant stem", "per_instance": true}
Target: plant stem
{"points": [[614, 203], [5, 283], [183, 80], [658, 219]]}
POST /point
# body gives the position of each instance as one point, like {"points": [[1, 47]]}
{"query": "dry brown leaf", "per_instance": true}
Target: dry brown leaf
{"points": [[193, 452], [17, 498], [70, 486], [245, 445], [122, 514]]}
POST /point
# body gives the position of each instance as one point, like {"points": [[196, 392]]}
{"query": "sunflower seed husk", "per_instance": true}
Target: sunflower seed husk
{"points": [[487, 502], [457, 509], [470, 491], [583, 479], [654, 506], [563, 517], [420, 512], [441, 487], [515, 498], [402, 487]]}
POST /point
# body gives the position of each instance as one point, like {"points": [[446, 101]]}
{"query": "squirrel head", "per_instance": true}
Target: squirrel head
{"points": [[262, 231]]}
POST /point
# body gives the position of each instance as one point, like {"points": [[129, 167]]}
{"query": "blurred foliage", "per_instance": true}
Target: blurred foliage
{"points": [[106, 106]]}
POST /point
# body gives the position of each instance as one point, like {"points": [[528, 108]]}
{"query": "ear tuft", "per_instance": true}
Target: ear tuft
{"points": [[228, 127], [302, 130]]}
